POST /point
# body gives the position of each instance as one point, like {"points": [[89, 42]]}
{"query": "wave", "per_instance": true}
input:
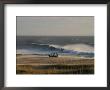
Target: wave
{"points": [[82, 50], [75, 47], [35, 48], [71, 47]]}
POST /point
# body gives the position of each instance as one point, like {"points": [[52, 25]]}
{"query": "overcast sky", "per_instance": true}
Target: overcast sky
{"points": [[55, 26]]}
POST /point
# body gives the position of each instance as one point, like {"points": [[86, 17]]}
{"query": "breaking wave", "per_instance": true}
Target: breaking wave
{"points": [[75, 47]]}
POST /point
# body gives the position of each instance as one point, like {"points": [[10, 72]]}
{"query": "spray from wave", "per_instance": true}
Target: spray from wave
{"points": [[75, 47]]}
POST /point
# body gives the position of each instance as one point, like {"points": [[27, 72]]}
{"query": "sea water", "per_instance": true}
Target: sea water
{"points": [[63, 45]]}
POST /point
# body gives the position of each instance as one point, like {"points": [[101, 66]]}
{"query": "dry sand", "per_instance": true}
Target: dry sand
{"points": [[45, 60]]}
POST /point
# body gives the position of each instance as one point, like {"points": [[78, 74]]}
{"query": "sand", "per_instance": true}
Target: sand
{"points": [[45, 60], [35, 64]]}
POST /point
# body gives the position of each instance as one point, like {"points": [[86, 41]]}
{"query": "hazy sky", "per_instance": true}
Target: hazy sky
{"points": [[55, 26]]}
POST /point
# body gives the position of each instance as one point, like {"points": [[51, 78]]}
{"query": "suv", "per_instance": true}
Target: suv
{"points": [[53, 55]]}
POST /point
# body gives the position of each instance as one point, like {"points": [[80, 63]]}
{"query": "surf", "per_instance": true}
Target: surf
{"points": [[75, 47]]}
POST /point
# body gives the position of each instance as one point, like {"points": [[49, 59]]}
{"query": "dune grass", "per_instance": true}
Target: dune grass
{"points": [[55, 69]]}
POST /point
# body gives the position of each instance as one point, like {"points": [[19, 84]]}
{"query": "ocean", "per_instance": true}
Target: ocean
{"points": [[82, 46]]}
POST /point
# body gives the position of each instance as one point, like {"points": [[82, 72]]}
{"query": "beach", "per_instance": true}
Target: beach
{"points": [[38, 64]]}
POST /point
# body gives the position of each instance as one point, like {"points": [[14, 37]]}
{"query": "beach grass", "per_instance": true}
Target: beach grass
{"points": [[55, 69]]}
